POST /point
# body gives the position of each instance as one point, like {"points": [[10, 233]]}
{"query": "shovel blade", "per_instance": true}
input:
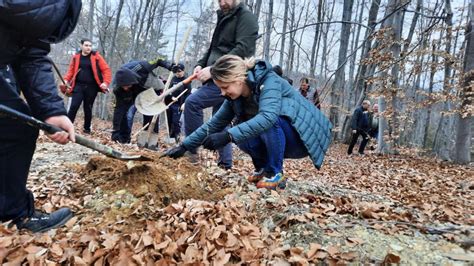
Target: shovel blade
{"points": [[148, 103]]}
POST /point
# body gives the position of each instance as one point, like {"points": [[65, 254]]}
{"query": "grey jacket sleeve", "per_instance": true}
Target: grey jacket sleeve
{"points": [[246, 36]]}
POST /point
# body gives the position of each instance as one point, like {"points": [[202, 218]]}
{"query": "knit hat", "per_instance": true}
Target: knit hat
{"points": [[178, 67], [126, 77]]}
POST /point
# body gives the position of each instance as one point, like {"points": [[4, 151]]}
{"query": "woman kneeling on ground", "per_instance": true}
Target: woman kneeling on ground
{"points": [[272, 120]]}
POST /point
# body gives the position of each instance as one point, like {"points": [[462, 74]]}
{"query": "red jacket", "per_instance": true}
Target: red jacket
{"points": [[102, 72]]}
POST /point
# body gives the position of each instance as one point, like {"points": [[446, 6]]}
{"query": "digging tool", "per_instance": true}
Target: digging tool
{"points": [[148, 103], [50, 129], [155, 106], [152, 140]]}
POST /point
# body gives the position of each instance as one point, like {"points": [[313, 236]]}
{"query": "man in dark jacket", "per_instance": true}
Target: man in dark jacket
{"points": [[235, 33], [26, 30], [360, 127], [130, 81], [173, 113]]}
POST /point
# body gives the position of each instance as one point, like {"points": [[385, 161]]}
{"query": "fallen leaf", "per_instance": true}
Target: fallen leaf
{"points": [[313, 248], [391, 258]]}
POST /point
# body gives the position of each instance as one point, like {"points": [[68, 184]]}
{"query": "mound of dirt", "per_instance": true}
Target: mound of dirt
{"points": [[165, 180]]}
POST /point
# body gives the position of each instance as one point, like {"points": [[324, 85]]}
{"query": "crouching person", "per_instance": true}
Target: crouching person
{"points": [[130, 81], [273, 121]]}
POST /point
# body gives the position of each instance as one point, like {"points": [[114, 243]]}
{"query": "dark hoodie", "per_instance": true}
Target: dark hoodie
{"points": [[27, 28]]}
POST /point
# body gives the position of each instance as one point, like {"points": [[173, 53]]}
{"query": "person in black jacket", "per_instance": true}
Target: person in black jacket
{"points": [[173, 113], [27, 28], [130, 81], [236, 34], [360, 127]]}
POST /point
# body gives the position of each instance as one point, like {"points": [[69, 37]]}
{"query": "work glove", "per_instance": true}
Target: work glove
{"points": [[217, 140], [175, 152]]}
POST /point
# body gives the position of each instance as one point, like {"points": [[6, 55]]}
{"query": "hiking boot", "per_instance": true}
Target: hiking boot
{"points": [[41, 222], [277, 181], [87, 131], [256, 176]]}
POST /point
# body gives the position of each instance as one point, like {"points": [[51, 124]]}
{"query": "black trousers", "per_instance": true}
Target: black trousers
{"points": [[355, 136], [121, 131], [173, 114], [17, 145], [83, 93]]}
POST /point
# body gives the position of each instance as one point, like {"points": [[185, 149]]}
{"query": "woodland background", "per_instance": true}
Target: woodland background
{"points": [[413, 58]]}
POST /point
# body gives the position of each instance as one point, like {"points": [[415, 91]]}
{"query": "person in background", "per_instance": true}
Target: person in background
{"points": [[27, 28], [262, 107], [88, 74], [174, 111], [374, 124], [279, 71], [130, 81], [311, 94], [360, 127], [235, 33]]}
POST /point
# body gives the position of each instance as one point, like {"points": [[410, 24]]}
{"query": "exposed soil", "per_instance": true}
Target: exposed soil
{"points": [[165, 180]]}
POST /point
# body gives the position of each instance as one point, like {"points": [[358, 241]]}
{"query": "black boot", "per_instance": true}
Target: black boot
{"points": [[40, 222]]}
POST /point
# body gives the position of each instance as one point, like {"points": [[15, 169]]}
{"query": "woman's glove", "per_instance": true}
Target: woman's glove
{"points": [[175, 152], [217, 140]]}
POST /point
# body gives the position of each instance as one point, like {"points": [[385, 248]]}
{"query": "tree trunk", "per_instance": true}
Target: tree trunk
{"points": [[362, 69], [442, 136], [178, 5], [90, 20], [434, 61], [392, 25], [283, 37], [312, 67], [463, 144], [339, 79], [268, 31], [291, 46], [114, 35], [258, 6]]}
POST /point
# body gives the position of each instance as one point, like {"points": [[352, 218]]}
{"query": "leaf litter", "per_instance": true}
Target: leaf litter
{"points": [[398, 209]]}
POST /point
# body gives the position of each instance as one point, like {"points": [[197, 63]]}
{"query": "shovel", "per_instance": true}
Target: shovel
{"points": [[148, 103], [50, 129]]}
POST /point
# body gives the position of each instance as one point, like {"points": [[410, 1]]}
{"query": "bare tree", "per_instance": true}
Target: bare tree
{"points": [[338, 85], [268, 31], [463, 144], [283, 37]]}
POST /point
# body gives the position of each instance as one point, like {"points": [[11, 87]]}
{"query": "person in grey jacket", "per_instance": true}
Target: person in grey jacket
{"points": [[235, 33], [272, 121]]}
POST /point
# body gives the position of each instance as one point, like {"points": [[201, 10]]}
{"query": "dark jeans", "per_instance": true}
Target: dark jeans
{"points": [[209, 95], [355, 136], [173, 116], [270, 148], [121, 130], [17, 145], [83, 93], [146, 119]]}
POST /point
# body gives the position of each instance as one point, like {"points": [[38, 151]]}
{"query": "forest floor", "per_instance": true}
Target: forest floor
{"points": [[371, 209]]}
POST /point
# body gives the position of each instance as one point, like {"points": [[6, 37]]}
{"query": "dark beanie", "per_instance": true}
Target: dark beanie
{"points": [[126, 77]]}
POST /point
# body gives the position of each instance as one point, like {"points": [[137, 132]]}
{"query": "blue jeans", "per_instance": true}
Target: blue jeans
{"points": [[146, 119], [270, 148], [209, 95]]}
